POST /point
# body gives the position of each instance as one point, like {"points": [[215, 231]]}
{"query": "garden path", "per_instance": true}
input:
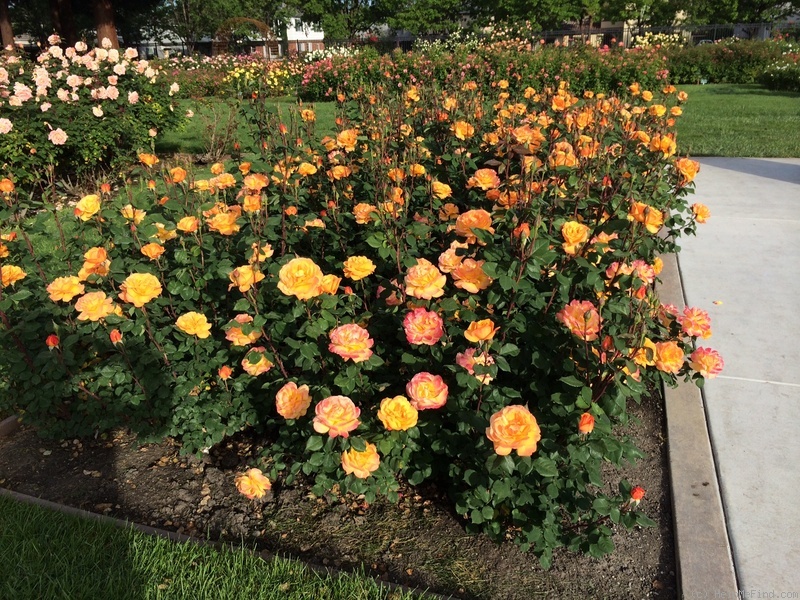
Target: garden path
{"points": [[746, 259]]}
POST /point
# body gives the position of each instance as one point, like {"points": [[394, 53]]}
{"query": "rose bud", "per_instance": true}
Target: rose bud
{"points": [[637, 494], [116, 336], [52, 341], [586, 424]]}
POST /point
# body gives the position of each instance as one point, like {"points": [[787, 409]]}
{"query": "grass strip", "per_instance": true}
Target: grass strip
{"points": [[739, 120], [46, 554]]}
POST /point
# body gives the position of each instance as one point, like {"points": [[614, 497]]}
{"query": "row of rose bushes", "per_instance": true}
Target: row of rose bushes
{"points": [[784, 73], [78, 110], [458, 287]]}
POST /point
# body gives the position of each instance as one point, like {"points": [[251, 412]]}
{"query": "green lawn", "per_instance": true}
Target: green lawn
{"points": [[46, 555], [739, 120]]}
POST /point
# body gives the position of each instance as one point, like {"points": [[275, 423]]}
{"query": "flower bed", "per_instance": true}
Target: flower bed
{"points": [[456, 287]]}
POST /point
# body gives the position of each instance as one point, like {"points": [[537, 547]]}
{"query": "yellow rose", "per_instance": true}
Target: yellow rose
{"points": [[424, 280], [669, 357], [94, 306], [361, 464], [244, 278], [651, 217], [575, 235], [164, 234], [300, 277], [481, 331], [65, 289], [462, 130], [10, 274], [514, 428], [148, 159], [193, 323], [330, 284], [139, 289], [441, 190], [291, 401], [397, 414], [347, 139], [358, 267], [306, 169], [252, 484], [87, 207], [224, 222]]}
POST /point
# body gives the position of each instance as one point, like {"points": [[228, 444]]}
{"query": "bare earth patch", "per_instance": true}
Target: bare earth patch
{"points": [[419, 542]]}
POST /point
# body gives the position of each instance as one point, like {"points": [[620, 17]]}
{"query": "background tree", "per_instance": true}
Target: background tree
{"points": [[6, 31], [421, 17], [341, 19]]}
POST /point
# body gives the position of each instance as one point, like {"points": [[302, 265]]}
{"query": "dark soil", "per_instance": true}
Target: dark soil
{"points": [[419, 542]]}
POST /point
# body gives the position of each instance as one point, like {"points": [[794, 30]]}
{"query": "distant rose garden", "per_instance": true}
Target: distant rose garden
{"points": [[457, 285]]}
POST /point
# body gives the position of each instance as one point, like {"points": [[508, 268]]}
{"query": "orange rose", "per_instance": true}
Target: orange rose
{"points": [[188, 224], [441, 190], [707, 362], [424, 280], [416, 170], [330, 284], [575, 235], [646, 355], [397, 414], [352, 342], [701, 212], [217, 168], [139, 289], [94, 306], [448, 211], [339, 172], [65, 289], [562, 155], [347, 139], [244, 278], [651, 217], [581, 318], [291, 401], [300, 277], [177, 174], [87, 207], [427, 391], [514, 428], [10, 274], [255, 362], [481, 331], [255, 182], [194, 323], [486, 179], [669, 357], [664, 144], [115, 336], [148, 159], [468, 360], [361, 464], [6, 185], [252, 484], [224, 222], [153, 250], [358, 267], [473, 219], [251, 203], [236, 335], [695, 322], [363, 213], [308, 115], [586, 423], [306, 169], [336, 416], [637, 493], [462, 130], [423, 327]]}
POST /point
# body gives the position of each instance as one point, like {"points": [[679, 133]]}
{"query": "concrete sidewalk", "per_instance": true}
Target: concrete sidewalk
{"points": [[747, 258]]}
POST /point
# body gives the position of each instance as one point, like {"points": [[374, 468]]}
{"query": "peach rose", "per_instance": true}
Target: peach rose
{"points": [[701, 212], [194, 323], [423, 327], [291, 401], [363, 213], [244, 278], [397, 414], [87, 207], [469, 275], [707, 362], [256, 362], [669, 357], [447, 212], [65, 289], [575, 235], [336, 416], [300, 277], [361, 464], [651, 217], [471, 220], [424, 280], [351, 341], [358, 267], [252, 484], [687, 168], [581, 318], [514, 428], [236, 335], [94, 306], [255, 182], [139, 289], [468, 360], [695, 322], [224, 222], [486, 179], [427, 391], [481, 331], [586, 423], [152, 250]]}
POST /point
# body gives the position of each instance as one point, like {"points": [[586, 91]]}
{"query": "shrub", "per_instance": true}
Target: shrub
{"points": [[784, 74], [456, 287], [726, 61], [77, 111]]}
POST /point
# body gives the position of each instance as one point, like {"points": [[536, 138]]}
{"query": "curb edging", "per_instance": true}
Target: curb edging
{"points": [[702, 546]]}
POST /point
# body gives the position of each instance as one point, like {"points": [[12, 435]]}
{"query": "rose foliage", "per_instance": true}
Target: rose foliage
{"points": [[456, 287]]}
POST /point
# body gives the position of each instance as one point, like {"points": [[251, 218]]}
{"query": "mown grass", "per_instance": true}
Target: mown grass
{"points": [[739, 120], [45, 554]]}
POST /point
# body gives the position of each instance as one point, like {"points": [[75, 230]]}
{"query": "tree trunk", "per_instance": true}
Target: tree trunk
{"points": [[64, 20], [104, 19], [6, 33]]}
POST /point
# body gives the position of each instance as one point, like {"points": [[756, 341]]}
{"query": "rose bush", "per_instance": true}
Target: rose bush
{"points": [[406, 298]]}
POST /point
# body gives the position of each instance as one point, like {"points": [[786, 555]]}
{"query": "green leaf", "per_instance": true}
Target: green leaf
{"points": [[314, 443], [545, 467]]}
